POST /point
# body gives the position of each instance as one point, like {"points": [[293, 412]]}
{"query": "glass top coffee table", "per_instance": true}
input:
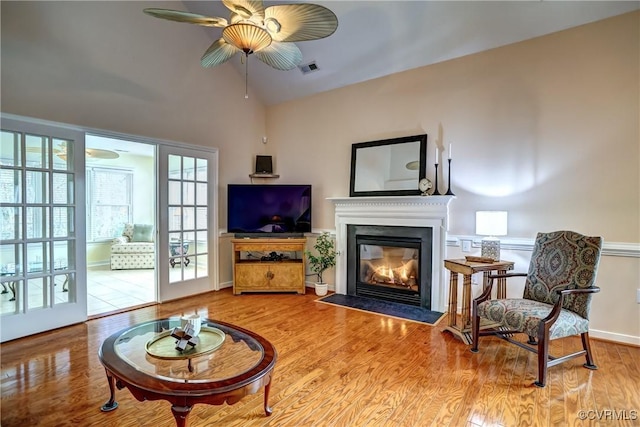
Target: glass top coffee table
{"points": [[228, 364]]}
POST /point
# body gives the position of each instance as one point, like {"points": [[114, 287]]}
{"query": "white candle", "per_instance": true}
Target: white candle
{"points": [[436, 155], [449, 151]]}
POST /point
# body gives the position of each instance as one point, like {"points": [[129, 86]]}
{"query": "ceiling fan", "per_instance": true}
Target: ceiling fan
{"points": [[91, 153], [268, 32]]}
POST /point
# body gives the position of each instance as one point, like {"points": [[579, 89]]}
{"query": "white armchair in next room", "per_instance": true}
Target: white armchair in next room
{"points": [[135, 249]]}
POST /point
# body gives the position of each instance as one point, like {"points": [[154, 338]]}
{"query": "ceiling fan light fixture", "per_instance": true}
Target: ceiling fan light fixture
{"points": [[272, 25], [248, 38]]}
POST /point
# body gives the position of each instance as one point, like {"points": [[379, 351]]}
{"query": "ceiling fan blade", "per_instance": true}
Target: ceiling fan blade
{"points": [[299, 22], [281, 56], [245, 8], [220, 51], [97, 153], [190, 18]]}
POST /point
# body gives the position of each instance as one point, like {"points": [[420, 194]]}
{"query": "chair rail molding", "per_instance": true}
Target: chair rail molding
{"points": [[621, 249]]}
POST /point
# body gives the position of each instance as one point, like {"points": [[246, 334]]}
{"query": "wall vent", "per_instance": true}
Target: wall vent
{"points": [[309, 67]]}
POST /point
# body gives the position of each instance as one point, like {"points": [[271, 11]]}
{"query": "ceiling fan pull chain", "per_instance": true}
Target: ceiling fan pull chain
{"points": [[246, 77]]}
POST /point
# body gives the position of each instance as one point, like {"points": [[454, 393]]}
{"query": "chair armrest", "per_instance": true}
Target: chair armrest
{"points": [[557, 307], [486, 293], [592, 290]]}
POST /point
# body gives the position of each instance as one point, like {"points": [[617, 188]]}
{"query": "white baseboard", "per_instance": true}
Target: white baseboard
{"points": [[98, 264], [225, 285], [612, 336]]}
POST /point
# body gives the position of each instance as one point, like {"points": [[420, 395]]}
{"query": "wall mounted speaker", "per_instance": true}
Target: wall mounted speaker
{"points": [[264, 165]]}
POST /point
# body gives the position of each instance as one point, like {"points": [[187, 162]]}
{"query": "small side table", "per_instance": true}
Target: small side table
{"points": [[467, 269], [177, 250]]}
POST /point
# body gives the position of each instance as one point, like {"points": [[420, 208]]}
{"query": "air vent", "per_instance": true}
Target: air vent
{"points": [[308, 68]]}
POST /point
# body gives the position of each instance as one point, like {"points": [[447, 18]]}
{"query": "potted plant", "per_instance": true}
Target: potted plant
{"points": [[326, 258]]}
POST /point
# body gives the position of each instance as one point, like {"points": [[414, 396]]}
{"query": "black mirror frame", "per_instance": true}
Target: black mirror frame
{"points": [[422, 169]]}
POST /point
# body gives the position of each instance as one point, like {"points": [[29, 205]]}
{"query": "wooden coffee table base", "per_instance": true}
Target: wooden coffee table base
{"points": [[241, 364], [181, 405]]}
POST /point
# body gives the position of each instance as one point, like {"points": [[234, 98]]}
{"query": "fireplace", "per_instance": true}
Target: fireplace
{"points": [[390, 262], [414, 214]]}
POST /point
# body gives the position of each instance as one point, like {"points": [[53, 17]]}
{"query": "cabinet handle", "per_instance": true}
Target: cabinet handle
{"points": [[269, 275]]}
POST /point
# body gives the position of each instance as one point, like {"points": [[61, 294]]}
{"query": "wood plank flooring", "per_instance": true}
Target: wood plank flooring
{"points": [[336, 367]]}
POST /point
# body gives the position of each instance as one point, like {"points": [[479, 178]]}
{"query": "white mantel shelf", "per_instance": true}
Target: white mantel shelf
{"points": [[407, 211], [395, 203]]}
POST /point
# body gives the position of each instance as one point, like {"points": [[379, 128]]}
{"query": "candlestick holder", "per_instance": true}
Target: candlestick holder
{"points": [[435, 190], [449, 192]]}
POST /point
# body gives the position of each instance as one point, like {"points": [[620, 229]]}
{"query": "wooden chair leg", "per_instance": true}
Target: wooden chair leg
{"points": [[543, 355], [587, 348]]}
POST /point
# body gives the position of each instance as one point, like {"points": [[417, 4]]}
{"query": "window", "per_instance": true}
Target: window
{"points": [[109, 192]]}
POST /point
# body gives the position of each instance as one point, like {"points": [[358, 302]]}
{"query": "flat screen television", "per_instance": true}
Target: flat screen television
{"points": [[255, 210]]}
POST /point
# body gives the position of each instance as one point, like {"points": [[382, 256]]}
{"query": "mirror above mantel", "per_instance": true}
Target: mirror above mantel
{"points": [[390, 167]]}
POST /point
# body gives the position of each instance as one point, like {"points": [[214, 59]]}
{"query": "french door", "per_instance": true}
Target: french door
{"points": [[42, 263], [188, 238]]}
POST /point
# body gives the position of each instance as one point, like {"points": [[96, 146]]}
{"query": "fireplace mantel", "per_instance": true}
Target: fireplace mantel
{"points": [[408, 211]]}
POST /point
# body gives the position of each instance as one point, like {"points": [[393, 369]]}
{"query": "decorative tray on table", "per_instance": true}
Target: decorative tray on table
{"points": [[485, 260], [163, 346]]}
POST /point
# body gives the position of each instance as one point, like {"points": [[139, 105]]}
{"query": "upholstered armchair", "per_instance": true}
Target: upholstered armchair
{"points": [[135, 249], [556, 300]]}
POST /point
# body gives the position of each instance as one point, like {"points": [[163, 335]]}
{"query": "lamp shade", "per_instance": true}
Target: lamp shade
{"points": [[248, 38], [491, 223]]}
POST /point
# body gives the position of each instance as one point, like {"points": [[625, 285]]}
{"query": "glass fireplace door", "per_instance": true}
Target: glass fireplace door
{"points": [[389, 269]]}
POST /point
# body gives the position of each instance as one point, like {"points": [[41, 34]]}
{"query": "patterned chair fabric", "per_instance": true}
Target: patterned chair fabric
{"points": [[560, 260], [129, 255], [525, 315]]}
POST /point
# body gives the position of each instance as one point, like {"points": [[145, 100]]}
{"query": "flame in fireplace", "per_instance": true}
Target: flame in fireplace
{"points": [[403, 275]]}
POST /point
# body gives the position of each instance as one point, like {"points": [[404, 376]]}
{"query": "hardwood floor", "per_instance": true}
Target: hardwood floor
{"points": [[336, 367]]}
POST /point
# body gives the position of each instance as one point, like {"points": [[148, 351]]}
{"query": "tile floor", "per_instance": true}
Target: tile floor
{"points": [[107, 291]]}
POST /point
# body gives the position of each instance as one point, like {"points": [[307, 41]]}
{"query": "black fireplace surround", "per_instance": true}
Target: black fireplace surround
{"points": [[391, 263]]}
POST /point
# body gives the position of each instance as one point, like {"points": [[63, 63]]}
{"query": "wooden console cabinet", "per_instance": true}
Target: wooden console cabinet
{"points": [[254, 275]]}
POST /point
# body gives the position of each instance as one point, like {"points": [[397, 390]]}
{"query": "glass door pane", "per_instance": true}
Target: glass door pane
{"points": [[38, 208], [187, 189], [187, 256]]}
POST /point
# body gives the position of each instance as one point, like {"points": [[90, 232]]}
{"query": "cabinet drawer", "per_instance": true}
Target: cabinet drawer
{"points": [[286, 276], [269, 277]]}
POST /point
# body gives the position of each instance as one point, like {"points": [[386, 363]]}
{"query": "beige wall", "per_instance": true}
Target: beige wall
{"points": [[107, 65], [547, 129]]}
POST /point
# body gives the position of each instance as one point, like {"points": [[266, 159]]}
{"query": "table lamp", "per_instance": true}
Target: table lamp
{"points": [[491, 224]]}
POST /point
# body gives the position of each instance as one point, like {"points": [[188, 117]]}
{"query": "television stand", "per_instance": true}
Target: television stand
{"points": [[279, 275], [287, 235]]}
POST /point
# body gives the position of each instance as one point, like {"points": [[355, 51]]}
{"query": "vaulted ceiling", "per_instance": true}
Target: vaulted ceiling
{"points": [[101, 40], [377, 38]]}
